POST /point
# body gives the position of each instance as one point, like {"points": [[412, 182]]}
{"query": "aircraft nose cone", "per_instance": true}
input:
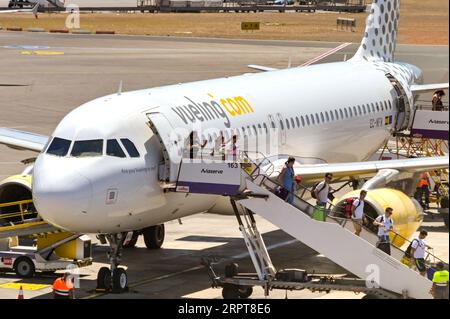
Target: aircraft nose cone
{"points": [[61, 195]]}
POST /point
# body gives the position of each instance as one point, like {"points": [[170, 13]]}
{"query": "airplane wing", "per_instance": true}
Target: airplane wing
{"points": [[424, 88], [22, 140], [312, 173], [312, 61]]}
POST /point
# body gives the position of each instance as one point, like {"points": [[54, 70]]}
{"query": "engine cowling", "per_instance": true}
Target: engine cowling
{"points": [[407, 216], [13, 189]]}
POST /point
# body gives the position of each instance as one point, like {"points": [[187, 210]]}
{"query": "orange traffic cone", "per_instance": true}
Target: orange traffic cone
{"points": [[20, 296]]}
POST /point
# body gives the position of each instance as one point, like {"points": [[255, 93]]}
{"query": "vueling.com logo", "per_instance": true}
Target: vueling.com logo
{"points": [[207, 111]]}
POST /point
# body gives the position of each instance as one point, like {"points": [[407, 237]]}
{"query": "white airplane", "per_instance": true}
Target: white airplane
{"points": [[100, 172]]}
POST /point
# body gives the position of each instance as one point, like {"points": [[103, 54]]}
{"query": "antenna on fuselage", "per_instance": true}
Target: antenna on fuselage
{"points": [[119, 91]]}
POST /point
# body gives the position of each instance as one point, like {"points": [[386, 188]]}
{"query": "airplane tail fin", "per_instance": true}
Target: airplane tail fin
{"points": [[380, 36]]}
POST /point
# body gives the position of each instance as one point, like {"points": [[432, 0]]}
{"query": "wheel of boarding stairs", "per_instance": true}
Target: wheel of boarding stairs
{"points": [[154, 236], [133, 240], [24, 267], [104, 278], [120, 281], [245, 292], [230, 291]]}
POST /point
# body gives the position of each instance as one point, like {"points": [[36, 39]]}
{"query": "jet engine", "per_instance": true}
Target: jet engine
{"points": [[407, 215], [14, 189]]}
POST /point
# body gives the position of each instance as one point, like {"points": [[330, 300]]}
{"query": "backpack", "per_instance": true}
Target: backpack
{"points": [[408, 250], [348, 206], [313, 194]]}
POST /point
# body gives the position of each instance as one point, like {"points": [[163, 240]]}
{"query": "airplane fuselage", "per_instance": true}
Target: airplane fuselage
{"points": [[333, 112]]}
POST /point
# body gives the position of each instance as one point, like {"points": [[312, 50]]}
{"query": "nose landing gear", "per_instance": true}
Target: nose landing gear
{"points": [[115, 279]]}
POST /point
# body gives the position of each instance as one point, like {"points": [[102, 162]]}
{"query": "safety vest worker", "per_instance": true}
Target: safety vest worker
{"points": [[440, 282], [63, 287], [424, 181]]}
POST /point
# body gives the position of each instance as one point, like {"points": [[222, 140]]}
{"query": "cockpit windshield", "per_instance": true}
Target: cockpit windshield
{"points": [[87, 148], [59, 147]]}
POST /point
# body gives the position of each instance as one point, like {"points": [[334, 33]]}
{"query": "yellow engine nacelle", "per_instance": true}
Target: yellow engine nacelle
{"points": [[14, 189], [407, 216]]}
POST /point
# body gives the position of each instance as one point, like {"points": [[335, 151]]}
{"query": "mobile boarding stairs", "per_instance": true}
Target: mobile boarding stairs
{"points": [[252, 191]]}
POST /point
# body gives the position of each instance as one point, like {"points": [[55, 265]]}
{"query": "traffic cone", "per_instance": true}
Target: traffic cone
{"points": [[20, 296]]}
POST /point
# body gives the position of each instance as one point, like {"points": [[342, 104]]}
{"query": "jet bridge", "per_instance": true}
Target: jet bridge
{"points": [[382, 274]]}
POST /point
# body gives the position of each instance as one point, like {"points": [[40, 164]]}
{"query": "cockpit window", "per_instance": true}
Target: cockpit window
{"points": [[113, 149], [129, 146], [87, 148], [59, 147]]}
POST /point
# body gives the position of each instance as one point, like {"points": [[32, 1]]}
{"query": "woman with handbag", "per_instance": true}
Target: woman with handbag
{"points": [[287, 178]]}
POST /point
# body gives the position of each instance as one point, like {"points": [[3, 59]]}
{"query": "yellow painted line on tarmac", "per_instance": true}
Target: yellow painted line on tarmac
{"points": [[25, 286], [40, 52]]}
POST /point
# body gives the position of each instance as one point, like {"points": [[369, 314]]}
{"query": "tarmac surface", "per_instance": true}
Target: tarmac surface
{"points": [[60, 72]]}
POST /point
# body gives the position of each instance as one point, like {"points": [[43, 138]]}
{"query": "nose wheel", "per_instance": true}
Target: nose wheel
{"points": [[113, 279]]}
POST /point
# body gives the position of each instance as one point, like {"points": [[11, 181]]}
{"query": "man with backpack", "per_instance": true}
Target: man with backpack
{"points": [[385, 225], [322, 189], [417, 253], [358, 212]]}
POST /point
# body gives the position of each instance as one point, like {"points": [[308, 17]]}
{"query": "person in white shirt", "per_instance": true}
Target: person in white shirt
{"points": [[322, 189], [418, 246], [385, 225], [358, 212]]}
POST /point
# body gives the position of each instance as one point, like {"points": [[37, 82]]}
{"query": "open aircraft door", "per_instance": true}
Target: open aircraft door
{"points": [[171, 145], [403, 117]]}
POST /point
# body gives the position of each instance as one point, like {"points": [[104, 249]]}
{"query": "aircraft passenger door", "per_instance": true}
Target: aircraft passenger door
{"points": [[170, 145], [282, 128]]}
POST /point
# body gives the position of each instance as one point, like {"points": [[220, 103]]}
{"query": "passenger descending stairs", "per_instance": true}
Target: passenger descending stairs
{"points": [[356, 254]]}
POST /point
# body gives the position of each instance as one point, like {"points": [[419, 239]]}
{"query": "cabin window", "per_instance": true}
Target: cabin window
{"points": [[287, 124], [307, 120], [129, 146], [113, 149], [322, 117], [331, 116], [281, 124], [59, 147], [87, 148], [346, 113], [303, 120], [293, 122]]}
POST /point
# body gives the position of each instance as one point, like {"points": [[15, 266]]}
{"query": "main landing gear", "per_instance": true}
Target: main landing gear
{"points": [[115, 279]]}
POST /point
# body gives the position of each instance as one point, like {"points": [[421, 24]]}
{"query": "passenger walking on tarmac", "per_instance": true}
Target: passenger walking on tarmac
{"points": [[63, 287], [437, 100], [418, 246], [385, 225], [287, 177], [322, 189], [440, 282], [193, 144], [358, 212]]}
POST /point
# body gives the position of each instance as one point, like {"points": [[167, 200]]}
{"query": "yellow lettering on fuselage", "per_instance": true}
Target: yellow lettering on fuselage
{"points": [[237, 106]]}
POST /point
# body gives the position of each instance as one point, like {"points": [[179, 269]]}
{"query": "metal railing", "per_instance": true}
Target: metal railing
{"points": [[26, 209], [341, 221]]}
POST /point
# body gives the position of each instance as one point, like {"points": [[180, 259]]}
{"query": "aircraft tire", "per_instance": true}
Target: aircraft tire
{"points": [[154, 236], [104, 278], [120, 281]]}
